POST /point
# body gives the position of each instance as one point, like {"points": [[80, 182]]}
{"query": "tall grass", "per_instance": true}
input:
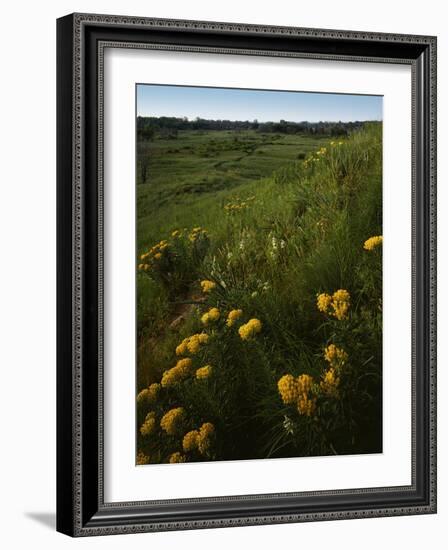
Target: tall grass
{"points": [[269, 247]]}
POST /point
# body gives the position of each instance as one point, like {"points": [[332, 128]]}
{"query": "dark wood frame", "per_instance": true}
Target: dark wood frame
{"points": [[81, 510]]}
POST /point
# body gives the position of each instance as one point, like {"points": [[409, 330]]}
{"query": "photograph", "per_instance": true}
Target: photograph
{"points": [[259, 290]]}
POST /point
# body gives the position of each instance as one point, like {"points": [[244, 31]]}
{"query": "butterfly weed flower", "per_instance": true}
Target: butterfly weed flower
{"points": [[143, 396], [373, 242], [178, 373], [341, 304], [204, 372], [207, 286], [288, 389], [190, 441], [153, 392], [323, 302], [298, 391], [330, 382], [212, 315], [172, 420], [336, 305], [233, 316], [192, 344], [306, 405], [250, 329], [148, 395], [142, 458], [205, 438], [177, 458], [149, 424], [337, 357]]}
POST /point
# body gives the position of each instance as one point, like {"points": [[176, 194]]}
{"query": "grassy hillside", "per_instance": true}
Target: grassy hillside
{"points": [[256, 246]]}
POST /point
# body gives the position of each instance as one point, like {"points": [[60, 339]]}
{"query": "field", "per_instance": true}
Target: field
{"points": [[259, 322]]}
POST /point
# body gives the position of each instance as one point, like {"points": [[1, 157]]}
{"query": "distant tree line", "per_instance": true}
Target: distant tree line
{"points": [[168, 127]]}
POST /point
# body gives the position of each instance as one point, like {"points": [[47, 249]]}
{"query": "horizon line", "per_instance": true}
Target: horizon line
{"points": [[303, 121]]}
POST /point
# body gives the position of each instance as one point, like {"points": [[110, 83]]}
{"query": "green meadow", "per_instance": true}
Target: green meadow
{"points": [[259, 313]]}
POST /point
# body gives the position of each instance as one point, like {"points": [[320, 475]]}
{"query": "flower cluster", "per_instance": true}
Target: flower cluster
{"points": [[233, 317], [178, 373], [153, 255], [373, 242], [288, 389], [148, 395], [190, 441], [205, 438], [192, 344], [298, 391], [177, 458], [149, 424], [172, 420], [330, 382], [319, 154], [250, 329], [200, 440], [212, 314], [207, 286], [204, 372], [196, 234], [142, 458], [336, 305], [238, 204], [337, 357]]}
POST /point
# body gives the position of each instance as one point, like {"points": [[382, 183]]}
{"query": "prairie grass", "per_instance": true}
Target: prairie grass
{"points": [[270, 237]]}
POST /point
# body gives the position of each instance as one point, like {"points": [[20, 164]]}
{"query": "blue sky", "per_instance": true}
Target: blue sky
{"points": [[234, 104]]}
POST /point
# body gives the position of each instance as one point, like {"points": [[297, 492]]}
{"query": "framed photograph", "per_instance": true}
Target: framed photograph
{"points": [[246, 274]]}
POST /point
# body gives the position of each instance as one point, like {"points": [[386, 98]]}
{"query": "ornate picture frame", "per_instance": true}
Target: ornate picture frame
{"points": [[81, 506]]}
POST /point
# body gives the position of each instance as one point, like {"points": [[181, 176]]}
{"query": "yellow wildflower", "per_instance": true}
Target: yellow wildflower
{"points": [[172, 420], [190, 441], [337, 357], [323, 302], [211, 315], [149, 424], [157, 256], [373, 242], [288, 389], [330, 382], [306, 405], [192, 343], [341, 304], [298, 391], [142, 458], [205, 438], [177, 458], [204, 372], [207, 286], [205, 319], [336, 305], [143, 396], [153, 391], [178, 373], [175, 233], [233, 316], [181, 349], [304, 383], [251, 328], [148, 394]]}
